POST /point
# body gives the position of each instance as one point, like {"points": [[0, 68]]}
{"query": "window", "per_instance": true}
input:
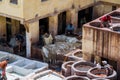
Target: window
{"points": [[8, 19], [14, 1], [114, 7], [43, 0]]}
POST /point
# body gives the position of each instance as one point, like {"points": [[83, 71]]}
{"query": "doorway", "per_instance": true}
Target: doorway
{"points": [[84, 16], [8, 29], [44, 26], [22, 29], [61, 23]]}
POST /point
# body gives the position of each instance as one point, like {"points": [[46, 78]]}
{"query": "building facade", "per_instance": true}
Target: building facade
{"points": [[35, 17], [103, 43]]}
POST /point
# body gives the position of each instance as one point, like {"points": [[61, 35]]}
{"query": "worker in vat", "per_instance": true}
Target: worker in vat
{"points": [[106, 21], [3, 66], [108, 67]]}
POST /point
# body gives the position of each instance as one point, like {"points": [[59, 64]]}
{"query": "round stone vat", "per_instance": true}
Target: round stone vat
{"points": [[115, 14], [74, 77], [100, 79], [46, 75], [95, 24], [66, 68], [101, 73], [78, 55], [117, 28], [80, 68]]}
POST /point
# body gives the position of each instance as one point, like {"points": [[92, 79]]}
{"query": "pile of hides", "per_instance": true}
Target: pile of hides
{"points": [[55, 52], [63, 38]]}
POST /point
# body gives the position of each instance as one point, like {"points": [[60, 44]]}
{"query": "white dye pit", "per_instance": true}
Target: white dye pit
{"points": [[49, 77]]}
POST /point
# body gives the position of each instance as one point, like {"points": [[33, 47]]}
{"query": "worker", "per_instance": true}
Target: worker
{"points": [[3, 66], [105, 20], [98, 65], [70, 29], [108, 67], [48, 39]]}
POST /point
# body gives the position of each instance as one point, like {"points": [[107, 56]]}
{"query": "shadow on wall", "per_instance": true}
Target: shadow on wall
{"points": [[95, 24]]}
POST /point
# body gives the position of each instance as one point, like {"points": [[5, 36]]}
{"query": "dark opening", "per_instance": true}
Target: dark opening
{"points": [[8, 19], [115, 14], [8, 29], [111, 62], [95, 24], [22, 28], [117, 28], [114, 8], [14, 1], [61, 23], [22, 32], [44, 26], [84, 16]]}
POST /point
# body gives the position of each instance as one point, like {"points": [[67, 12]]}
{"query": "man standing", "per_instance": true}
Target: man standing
{"points": [[3, 66], [105, 20]]}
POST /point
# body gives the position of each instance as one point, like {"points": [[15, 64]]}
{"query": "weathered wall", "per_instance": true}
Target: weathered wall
{"points": [[104, 7], [112, 1], [83, 3], [2, 25], [28, 9], [101, 9], [11, 10], [101, 42], [46, 8], [34, 31], [53, 23], [14, 26]]}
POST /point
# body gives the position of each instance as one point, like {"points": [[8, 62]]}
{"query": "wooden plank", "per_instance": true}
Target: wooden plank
{"points": [[105, 44], [94, 41], [100, 42], [118, 48], [113, 47]]}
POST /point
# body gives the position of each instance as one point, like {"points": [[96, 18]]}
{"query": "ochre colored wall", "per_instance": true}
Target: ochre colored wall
{"points": [[48, 7], [14, 26], [44, 8], [8, 8], [82, 3], [29, 8], [101, 9], [101, 42], [2, 25], [112, 1], [34, 31]]}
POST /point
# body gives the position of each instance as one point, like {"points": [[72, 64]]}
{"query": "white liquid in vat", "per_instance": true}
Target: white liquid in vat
{"points": [[50, 77]]}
